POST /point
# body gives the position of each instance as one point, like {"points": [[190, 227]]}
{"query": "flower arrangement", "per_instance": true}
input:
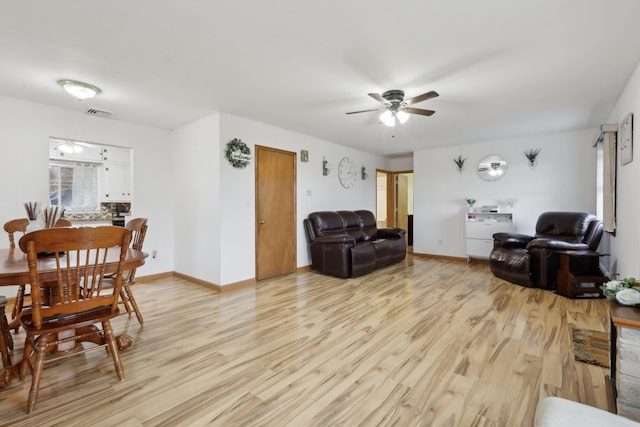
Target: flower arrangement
{"points": [[459, 161], [532, 155], [32, 210], [470, 201], [612, 287]]}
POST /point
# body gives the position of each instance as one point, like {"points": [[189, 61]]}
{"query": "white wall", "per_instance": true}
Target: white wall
{"points": [[564, 179], [625, 249], [195, 158], [25, 129]]}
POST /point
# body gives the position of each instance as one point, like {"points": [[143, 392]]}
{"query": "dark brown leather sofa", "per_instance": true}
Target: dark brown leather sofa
{"points": [[533, 260], [349, 244]]}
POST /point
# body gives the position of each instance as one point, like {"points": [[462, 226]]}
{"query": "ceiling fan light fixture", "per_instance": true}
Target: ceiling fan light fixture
{"points": [[388, 119], [79, 90], [402, 116]]}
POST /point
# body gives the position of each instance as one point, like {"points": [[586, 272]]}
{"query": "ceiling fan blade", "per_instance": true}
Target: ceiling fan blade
{"points": [[378, 98], [363, 111], [418, 111], [423, 97]]}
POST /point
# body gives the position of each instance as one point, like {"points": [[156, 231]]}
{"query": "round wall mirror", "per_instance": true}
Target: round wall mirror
{"points": [[492, 168]]}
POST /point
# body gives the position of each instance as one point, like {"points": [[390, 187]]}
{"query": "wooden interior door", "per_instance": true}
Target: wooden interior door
{"points": [[275, 212], [402, 202]]}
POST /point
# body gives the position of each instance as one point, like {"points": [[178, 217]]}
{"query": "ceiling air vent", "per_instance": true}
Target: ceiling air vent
{"points": [[99, 113]]}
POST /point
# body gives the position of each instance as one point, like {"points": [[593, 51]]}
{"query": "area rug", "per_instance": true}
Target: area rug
{"points": [[590, 346]]}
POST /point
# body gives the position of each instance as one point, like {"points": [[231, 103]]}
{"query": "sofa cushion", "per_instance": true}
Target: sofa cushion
{"points": [[352, 226], [368, 225], [383, 252], [327, 222], [363, 259], [567, 226]]}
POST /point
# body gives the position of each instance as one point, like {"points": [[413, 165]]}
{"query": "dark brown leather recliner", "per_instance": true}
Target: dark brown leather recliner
{"points": [[533, 260], [349, 244]]}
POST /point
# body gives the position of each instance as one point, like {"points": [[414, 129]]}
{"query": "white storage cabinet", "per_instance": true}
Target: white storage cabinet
{"points": [[480, 228]]}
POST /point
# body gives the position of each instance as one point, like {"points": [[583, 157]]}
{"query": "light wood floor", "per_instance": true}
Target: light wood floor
{"points": [[422, 343]]}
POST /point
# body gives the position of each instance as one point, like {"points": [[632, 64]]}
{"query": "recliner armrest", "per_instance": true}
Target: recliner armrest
{"points": [[511, 240], [386, 233], [558, 245], [335, 238]]}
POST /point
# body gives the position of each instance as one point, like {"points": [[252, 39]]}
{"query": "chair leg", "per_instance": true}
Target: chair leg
{"points": [[125, 301], [41, 350], [113, 348], [17, 307], [4, 349], [26, 364], [4, 329], [134, 304]]}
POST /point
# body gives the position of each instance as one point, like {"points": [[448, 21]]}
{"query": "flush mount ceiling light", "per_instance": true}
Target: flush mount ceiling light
{"points": [[78, 89]]}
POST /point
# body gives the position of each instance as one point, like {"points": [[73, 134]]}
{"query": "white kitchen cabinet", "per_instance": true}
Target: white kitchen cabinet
{"points": [[480, 227], [117, 182], [116, 155], [84, 152]]}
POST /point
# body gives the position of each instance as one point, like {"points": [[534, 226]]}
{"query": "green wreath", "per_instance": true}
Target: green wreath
{"points": [[236, 148]]}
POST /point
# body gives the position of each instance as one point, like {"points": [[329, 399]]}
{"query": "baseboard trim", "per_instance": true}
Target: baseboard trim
{"points": [[197, 281], [236, 285], [441, 257], [215, 286], [150, 277], [305, 269]]}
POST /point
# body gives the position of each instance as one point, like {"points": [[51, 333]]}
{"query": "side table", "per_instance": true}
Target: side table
{"points": [[579, 274]]}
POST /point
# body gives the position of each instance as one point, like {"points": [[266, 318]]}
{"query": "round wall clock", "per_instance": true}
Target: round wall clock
{"points": [[347, 172]]}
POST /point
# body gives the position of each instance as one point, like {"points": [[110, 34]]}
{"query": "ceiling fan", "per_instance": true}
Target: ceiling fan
{"points": [[395, 107]]}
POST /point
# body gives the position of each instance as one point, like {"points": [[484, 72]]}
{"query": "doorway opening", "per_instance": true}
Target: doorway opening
{"points": [[394, 201]]}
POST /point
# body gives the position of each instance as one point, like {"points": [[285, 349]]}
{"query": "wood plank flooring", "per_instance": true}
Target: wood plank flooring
{"points": [[422, 343]]}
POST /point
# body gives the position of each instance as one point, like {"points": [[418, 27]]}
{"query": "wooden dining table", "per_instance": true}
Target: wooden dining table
{"points": [[14, 270]]}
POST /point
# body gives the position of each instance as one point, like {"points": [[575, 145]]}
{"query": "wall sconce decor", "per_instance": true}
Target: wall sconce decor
{"points": [[326, 167], [459, 161], [363, 173], [532, 155]]}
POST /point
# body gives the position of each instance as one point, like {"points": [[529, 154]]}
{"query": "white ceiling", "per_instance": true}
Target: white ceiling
{"points": [[503, 68]]}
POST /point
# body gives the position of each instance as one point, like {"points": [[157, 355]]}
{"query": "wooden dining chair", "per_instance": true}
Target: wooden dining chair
{"points": [[138, 228], [12, 227], [6, 341], [73, 278], [62, 222], [15, 226]]}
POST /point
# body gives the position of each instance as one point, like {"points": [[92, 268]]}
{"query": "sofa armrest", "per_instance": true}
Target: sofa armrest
{"points": [[511, 240], [335, 238], [386, 233], [557, 245]]}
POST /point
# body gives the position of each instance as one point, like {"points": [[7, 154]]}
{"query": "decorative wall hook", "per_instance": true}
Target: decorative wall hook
{"points": [[459, 161], [532, 155], [326, 167]]}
